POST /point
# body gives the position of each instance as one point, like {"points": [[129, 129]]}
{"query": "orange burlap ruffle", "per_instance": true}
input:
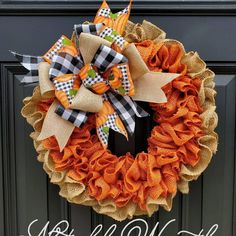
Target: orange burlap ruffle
{"points": [[179, 148]]}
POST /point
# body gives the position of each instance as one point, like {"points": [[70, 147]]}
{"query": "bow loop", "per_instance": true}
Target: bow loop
{"points": [[106, 57], [56, 47], [114, 37], [64, 63], [117, 78], [66, 87], [88, 28]]}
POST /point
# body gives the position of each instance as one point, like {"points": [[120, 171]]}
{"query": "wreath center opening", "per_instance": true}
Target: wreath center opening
{"points": [[137, 142]]}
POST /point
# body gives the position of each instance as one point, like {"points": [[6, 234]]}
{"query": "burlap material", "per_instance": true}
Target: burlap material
{"points": [[136, 64], [140, 32], [89, 45], [46, 86], [196, 68], [53, 125], [77, 193], [147, 84], [208, 143], [148, 87], [29, 111], [87, 101]]}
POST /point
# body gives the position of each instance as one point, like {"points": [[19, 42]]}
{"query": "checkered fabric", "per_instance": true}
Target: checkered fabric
{"points": [[106, 32], [107, 11], [126, 109], [65, 87], [75, 117], [31, 64], [104, 12], [124, 11], [88, 28], [64, 63], [106, 57], [105, 97], [116, 38], [54, 49], [89, 81], [111, 124]]}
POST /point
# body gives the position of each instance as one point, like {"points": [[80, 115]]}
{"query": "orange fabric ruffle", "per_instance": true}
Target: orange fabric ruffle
{"points": [[44, 104], [173, 142], [162, 57]]}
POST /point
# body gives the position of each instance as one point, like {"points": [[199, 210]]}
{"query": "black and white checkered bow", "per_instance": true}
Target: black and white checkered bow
{"points": [[88, 28], [31, 64], [127, 109], [77, 118], [106, 57], [64, 63]]}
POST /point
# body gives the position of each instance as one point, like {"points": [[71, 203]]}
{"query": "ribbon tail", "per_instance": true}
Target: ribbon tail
{"points": [[31, 64], [54, 125], [77, 118], [127, 109], [107, 119], [137, 65], [29, 79], [148, 88]]}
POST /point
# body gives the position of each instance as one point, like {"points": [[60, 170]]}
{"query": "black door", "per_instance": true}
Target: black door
{"points": [[25, 192]]}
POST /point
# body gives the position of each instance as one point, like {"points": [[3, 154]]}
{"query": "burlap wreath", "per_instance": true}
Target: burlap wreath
{"points": [[83, 178]]}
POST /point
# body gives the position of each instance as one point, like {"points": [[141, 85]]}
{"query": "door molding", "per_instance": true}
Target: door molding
{"points": [[10, 157], [84, 7]]}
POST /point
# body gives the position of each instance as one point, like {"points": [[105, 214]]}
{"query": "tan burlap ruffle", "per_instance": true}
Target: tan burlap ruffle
{"points": [[139, 32], [76, 192]]}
